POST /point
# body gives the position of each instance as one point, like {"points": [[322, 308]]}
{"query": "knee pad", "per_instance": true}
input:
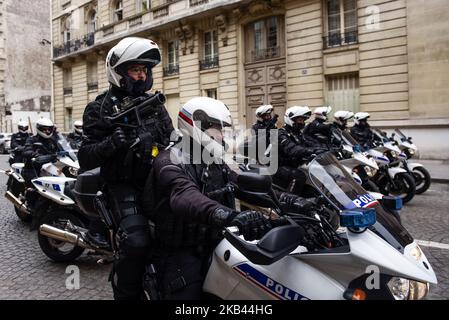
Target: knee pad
{"points": [[134, 236]]}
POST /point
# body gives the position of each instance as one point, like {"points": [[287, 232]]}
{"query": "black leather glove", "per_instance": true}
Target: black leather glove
{"points": [[119, 138], [221, 217], [252, 224], [295, 204]]}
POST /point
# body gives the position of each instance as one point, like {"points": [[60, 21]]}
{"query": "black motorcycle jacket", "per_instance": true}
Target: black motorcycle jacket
{"points": [[98, 149], [186, 198], [32, 149], [293, 147], [75, 139], [19, 139], [318, 129], [362, 134]]}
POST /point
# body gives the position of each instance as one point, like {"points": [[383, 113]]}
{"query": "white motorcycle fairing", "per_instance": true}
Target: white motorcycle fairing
{"points": [[53, 188]]}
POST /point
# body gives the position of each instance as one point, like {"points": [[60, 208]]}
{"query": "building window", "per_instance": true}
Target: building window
{"points": [[92, 75], [341, 22], [118, 11], [68, 119], [143, 5], [67, 81], [66, 25], [92, 22], [264, 39], [343, 92], [210, 50], [172, 59], [211, 93]]}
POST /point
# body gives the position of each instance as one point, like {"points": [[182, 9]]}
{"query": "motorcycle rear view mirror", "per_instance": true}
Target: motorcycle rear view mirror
{"points": [[276, 244], [254, 183]]}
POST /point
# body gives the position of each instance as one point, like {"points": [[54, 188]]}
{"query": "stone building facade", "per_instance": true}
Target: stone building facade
{"points": [[389, 58], [25, 66]]}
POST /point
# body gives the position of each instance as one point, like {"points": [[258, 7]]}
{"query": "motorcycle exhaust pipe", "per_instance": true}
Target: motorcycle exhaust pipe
{"points": [[16, 202], [64, 236], [69, 237]]}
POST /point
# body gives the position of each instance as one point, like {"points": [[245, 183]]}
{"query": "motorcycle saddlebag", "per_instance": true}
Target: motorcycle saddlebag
{"points": [[86, 187]]}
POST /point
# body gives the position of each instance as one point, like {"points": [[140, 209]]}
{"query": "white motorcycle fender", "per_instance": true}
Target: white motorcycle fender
{"points": [[414, 165], [392, 172], [52, 188]]}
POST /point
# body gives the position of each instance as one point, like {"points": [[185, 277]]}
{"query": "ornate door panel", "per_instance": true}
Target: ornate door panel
{"points": [[265, 84]]}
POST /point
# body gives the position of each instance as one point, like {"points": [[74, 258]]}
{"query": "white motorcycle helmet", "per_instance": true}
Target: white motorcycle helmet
{"points": [[131, 50], [45, 128], [78, 127], [361, 116], [264, 109], [202, 119], [322, 112], [341, 117], [294, 112], [22, 126]]}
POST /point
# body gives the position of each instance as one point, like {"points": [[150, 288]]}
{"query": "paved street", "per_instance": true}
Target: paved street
{"points": [[26, 273]]}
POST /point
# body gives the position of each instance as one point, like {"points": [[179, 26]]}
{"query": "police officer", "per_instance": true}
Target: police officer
{"points": [[261, 129], [341, 118], [196, 201], [38, 150], [75, 137], [361, 130], [294, 149], [129, 67], [319, 130], [18, 141]]}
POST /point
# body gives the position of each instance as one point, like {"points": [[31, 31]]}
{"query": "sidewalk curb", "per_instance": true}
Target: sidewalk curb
{"points": [[440, 180]]}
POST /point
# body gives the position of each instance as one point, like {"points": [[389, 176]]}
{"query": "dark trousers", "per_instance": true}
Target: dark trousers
{"points": [[181, 275], [134, 242]]}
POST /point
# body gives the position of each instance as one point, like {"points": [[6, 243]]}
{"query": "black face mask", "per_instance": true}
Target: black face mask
{"points": [[136, 88], [298, 126]]}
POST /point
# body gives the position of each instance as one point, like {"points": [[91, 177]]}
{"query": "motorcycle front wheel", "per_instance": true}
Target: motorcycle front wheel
{"points": [[403, 187], [56, 250], [422, 179]]}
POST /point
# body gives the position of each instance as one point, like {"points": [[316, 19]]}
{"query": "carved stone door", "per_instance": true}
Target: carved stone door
{"points": [[265, 84]]}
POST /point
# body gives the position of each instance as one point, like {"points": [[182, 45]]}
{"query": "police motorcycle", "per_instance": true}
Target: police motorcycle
{"points": [[390, 178], [62, 233], [56, 171], [306, 259], [417, 170]]}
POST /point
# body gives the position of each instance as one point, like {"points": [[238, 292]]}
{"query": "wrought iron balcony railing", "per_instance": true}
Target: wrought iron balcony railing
{"points": [[264, 54], [74, 45], [171, 70], [338, 39], [197, 2], [209, 63], [92, 86]]}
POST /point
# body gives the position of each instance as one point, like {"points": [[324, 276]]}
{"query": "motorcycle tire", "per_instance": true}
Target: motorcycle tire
{"points": [[422, 179], [407, 181], [370, 186], [52, 247]]}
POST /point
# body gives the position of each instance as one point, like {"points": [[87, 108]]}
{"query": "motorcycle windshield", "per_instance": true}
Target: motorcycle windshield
{"points": [[64, 145], [400, 133], [334, 183]]}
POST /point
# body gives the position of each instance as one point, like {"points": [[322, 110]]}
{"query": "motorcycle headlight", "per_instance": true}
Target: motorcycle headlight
{"points": [[418, 290], [73, 171], [399, 288], [416, 253], [370, 172], [411, 151], [394, 154]]}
